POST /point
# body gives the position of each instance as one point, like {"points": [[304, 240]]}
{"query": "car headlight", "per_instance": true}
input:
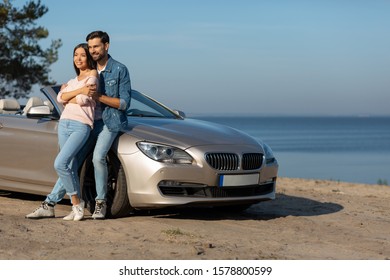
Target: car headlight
{"points": [[269, 155], [164, 153]]}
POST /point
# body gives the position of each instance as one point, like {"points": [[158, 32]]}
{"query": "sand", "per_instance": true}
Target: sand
{"points": [[308, 220]]}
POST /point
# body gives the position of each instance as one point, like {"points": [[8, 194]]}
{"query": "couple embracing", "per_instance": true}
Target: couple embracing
{"points": [[95, 101]]}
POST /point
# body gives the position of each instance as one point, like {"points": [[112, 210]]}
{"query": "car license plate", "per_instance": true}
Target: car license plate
{"points": [[238, 180]]}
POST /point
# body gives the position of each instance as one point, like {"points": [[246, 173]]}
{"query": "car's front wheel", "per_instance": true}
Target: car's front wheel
{"points": [[118, 204]]}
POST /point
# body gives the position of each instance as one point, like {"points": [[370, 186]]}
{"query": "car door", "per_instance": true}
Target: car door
{"points": [[28, 147]]}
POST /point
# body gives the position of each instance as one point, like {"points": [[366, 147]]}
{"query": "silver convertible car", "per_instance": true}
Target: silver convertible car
{"points": [[163, 159]]}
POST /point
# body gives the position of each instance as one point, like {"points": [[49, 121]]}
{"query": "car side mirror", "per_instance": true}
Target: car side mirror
{"points": [[38, 112], [180, 113]]}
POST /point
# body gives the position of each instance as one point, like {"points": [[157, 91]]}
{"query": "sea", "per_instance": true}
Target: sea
{"points": [[348, 149]]}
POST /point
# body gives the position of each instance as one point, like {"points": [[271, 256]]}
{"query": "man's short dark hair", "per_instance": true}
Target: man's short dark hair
{"points": [[99, 34]]}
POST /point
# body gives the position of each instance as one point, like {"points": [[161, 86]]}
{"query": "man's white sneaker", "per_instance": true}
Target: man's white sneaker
{"points": [[43, 211], [77, 212], [100, 210]]}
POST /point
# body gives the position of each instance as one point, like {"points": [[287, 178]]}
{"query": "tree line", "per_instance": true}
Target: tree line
{"points": [[23, 62]]}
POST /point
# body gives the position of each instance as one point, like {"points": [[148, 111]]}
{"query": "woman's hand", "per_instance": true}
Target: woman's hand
{"points": [[63, 86]]}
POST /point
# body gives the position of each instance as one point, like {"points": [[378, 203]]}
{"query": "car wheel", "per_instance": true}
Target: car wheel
{"points": [[118, 204]]}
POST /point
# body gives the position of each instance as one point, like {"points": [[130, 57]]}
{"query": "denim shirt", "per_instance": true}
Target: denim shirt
{"points": [[115, 82]]}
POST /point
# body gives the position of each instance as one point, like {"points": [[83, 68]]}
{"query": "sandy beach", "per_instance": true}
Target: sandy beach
{"points": [[309, 220]]}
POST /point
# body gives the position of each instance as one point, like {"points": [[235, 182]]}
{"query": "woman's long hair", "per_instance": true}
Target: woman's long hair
{"points": [[91, 63]]}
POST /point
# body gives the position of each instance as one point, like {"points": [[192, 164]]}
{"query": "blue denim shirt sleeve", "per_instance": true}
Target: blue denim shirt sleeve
{"points": [[116, 83], [124, 88], [123, 105]]}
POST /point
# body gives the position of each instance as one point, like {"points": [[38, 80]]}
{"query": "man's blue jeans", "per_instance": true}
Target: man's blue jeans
{"points": [[72, 136], [103, 145]]}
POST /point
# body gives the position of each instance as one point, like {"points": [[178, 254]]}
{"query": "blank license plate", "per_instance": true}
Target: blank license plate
{"points": [[238, 180]]}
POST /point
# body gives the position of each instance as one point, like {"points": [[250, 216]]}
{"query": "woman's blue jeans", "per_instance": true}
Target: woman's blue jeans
{"points": [[72, 135], [103, 139]]}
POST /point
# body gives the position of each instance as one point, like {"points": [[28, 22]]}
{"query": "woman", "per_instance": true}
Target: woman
{"points": [[74, 128]]}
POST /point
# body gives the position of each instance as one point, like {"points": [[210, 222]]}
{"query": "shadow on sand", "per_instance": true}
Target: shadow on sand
{"points": [[282, 206]]}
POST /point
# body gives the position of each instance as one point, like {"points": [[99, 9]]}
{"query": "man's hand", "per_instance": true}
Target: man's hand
{"points": [[89, 90], [92, 92]]}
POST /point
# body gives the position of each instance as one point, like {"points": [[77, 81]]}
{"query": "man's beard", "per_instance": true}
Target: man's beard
{"points": [[98, 57]]}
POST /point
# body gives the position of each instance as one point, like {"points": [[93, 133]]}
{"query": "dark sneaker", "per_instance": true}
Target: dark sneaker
{"points": [[44, 211], [100, 210]]}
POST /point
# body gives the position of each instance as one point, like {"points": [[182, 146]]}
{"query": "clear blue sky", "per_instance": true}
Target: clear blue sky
{"points": [[329, 57]]}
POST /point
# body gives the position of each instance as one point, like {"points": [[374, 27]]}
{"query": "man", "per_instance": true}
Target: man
{"points": [[114, 95], [113, 99]]}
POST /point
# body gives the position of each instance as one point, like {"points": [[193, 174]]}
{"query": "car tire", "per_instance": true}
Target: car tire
{"points": [[118, 204]]}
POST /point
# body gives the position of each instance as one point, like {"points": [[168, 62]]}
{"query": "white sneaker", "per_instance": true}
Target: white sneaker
{"points": [[100, 210], [43, 211], [70, 216], [77, 212]]}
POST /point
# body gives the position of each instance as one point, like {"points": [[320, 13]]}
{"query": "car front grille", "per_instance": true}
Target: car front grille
{"points": [[223, 161], [252, 161], [231, 161]]}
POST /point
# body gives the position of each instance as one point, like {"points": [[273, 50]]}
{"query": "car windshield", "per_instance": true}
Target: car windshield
{"points": [[143, 106]]}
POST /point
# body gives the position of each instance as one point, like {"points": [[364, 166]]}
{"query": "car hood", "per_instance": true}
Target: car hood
{"points": [[186, 133]]}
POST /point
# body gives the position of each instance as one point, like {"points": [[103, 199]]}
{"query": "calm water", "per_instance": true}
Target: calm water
{"points": [[352, 149]]}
